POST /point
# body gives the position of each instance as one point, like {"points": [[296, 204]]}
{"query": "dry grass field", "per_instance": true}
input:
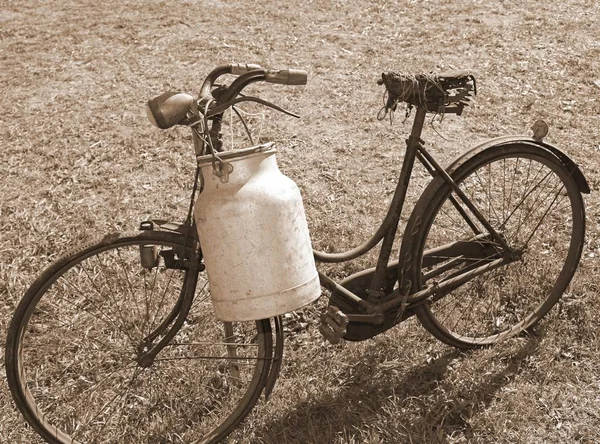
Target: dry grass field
{"points": [[78, 159]]}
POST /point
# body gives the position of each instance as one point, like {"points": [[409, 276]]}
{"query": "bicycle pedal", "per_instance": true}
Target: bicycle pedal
{"points": [[330, 335], [335, 317], [333, 324]]}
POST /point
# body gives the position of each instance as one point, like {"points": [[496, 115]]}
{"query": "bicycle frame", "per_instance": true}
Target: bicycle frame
{"points": [[371, 296], [387, 231], [379, 301]]}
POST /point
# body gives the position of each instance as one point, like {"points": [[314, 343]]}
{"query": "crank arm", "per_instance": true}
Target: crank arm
{"points": [[373, 319]]}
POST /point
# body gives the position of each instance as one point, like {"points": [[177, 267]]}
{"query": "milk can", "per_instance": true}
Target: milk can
{"points": [[254, 236]]}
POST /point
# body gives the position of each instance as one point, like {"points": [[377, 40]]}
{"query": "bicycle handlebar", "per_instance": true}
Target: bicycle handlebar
{"points": [[286, 76], [249, 73], [237, 69], [171, 109]]}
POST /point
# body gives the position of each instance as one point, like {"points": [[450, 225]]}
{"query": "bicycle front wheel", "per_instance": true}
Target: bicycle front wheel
{"points": [[75, 346], [530, 198]]}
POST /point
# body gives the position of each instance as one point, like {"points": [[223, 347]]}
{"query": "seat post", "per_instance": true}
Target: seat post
{"points": [[417, 126]]}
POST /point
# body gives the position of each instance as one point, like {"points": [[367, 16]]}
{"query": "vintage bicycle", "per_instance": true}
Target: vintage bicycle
{"points": [[118, 340]]}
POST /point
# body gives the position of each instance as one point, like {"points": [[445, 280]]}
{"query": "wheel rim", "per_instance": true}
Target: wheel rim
{"points": [[77, 365], [533, 204]]}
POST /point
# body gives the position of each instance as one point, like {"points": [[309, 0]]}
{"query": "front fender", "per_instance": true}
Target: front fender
{"points": [[277, 357], [569, 164]]}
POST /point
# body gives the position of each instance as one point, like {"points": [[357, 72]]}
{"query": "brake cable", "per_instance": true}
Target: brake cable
{"points": [[221, 108], [248, 133]]}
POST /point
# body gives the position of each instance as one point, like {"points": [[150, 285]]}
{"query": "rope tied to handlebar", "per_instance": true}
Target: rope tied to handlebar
{"points": [[221, 169]]}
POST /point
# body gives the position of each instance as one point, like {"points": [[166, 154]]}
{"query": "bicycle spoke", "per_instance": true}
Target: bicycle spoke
{"points": [[527, 193], [147, 300], [532, 208], [512, 184], [97, 385], [112, 295], [111, 321], [539, 222], [107, 404], [161, 303], [529, 200], [210, 358], [130, 288]]}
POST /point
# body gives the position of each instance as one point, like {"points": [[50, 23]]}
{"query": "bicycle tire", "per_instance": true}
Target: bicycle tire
{"points": [[74, 342], [531, 199]]}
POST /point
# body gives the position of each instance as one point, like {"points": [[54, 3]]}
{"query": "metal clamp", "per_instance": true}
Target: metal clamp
{"points": [[222, 169]]}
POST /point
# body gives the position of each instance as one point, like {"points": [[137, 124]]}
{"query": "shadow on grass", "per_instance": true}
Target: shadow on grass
{"points": [[426, 404]]}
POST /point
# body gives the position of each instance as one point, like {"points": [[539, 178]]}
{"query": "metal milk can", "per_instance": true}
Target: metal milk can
{"points": [[254, 236]]}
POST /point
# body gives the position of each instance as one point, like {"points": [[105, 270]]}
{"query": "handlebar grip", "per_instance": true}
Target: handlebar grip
{"points": [[238, 68], [286, 76]]}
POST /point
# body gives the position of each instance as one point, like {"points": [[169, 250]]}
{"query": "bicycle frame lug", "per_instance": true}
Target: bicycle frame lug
{"points": [[375, 295]]}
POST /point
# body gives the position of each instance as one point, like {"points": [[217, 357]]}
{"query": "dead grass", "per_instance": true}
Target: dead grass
{"points": [[79, 159]]}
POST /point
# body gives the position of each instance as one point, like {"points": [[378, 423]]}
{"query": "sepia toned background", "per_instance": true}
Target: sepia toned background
{"points": [[78, 159]]}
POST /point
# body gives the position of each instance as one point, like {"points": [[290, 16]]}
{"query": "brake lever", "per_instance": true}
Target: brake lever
{"points": [[219, 109]]}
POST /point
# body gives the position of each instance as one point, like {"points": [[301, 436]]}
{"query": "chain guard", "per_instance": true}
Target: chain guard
{"points": [[358, 284]]}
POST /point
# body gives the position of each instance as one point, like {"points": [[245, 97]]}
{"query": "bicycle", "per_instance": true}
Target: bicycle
{"points": [[118, 337]]}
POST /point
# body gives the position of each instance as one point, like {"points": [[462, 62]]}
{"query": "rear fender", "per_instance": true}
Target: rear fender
{"points": [[569, 164]]}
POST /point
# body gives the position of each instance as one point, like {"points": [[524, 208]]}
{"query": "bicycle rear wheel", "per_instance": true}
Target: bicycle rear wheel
{"points": [[74, 346], [529, 198]]}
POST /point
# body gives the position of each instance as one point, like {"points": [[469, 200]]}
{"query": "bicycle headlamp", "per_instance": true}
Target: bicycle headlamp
{"points": [[168, 109]]}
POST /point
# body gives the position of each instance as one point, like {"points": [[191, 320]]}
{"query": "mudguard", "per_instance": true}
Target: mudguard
{"points": [[569, 164], [277, 358]]}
